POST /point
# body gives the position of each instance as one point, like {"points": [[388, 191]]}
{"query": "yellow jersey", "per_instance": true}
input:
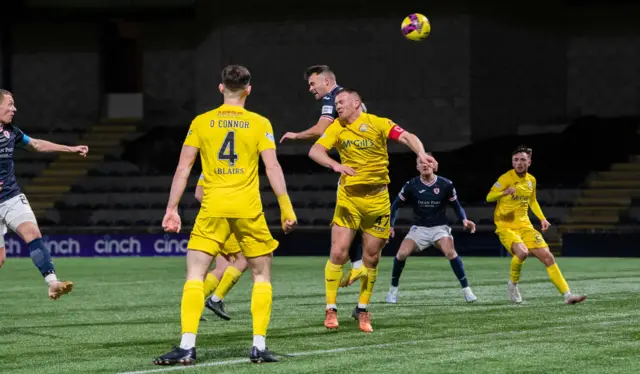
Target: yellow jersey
{"points": [[230, 139], [362, 146], [512, 211]]}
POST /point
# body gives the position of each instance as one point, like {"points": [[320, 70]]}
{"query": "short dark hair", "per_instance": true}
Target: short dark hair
{"points": [[4, 93], [236, 77], [317, 69], [522, 148], [349, 91]]}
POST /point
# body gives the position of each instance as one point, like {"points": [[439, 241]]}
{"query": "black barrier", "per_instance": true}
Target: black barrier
{"points": [[601, 245]]}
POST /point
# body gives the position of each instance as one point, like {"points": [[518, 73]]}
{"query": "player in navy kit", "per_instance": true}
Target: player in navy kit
{"points": [[429, 195], [323, 85], [15, 211]]}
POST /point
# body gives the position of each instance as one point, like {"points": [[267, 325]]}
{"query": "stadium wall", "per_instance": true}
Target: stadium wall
{"points": [[56, 74]]}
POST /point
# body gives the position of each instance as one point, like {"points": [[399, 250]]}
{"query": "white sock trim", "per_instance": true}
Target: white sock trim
{"points": [[259, 342], [215, 298], [51, 278], [188, 340], [357, 264]]}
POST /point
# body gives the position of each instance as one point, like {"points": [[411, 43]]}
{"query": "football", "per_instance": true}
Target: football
{"points": [[415, 27]]}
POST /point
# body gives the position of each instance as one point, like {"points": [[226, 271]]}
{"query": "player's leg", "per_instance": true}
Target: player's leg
{"points": [[341, 238], [205, 243], [237, 265], [375, 233], [407, 247], [540, 249], [213, 277], [444, 242], [20, 219], [257, 246], [512, 241], [357, 271]]}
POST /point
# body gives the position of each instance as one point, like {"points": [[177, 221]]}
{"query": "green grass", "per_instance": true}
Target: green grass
{"points": [[124, 312]]}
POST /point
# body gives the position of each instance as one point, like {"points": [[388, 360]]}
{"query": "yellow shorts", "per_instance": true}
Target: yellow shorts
{"points": [[212, 234], [231, 246], [531, 238], [369, 212]]}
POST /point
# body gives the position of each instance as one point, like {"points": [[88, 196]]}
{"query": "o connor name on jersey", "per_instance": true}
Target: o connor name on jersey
{"points": [[230, 124]]}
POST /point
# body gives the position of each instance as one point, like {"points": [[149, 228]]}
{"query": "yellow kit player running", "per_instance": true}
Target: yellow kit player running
{"points": [[230, 264], [515, 192], [363, 200], [230, 140]]}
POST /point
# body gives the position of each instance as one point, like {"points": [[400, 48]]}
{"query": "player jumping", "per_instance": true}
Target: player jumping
{"points": [[515, 192], [230, 265], [429, 194], [15, 211], [230, 140], [323, 85], [363, 199]]}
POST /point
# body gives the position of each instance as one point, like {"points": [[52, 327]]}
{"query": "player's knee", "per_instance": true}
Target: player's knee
{"points": [[241, 264], [28, 231], [339, 254], [447, 248], [261, 268], [545, 256]]}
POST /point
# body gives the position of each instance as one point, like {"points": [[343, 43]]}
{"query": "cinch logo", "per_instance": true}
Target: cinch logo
{"points": [[166, 245], [13, 247], [63, 246], [130, 245]]}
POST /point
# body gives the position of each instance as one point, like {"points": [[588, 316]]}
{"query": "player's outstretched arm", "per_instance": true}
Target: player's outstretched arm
{"points": [[276, 179], [537, 210], [412, 141], [39, 145], [171, 221], [395, 208], [312, 133], [499, 189]]}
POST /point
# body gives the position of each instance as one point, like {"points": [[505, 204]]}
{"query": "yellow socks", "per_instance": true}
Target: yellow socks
{"points": [[366, 292], [557, 278], [332, 275], [261, 307], [229, 279], [516, 268], [210, 284], [191, 306]]}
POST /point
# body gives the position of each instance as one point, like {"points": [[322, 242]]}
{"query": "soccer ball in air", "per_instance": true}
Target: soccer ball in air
{"points": [[415, 27]]}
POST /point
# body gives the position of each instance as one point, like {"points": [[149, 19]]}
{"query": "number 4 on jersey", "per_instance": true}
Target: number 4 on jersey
{"points": [[228, 149]]}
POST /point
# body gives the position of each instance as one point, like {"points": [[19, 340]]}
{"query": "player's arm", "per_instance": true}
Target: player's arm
{"points": [[499, 189], [40, 145], [319, 153], [402, 197], [313, 132], [267, 149], [188, 157], [537, 210], [459, 210], [402, 136]]}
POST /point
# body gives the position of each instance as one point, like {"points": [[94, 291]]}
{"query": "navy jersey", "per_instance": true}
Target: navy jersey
{"points": [[429, 201], [10, 137], [329, 104]]}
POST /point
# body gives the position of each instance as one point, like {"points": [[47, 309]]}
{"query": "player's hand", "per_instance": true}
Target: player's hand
{"points": [[509, 191], [3, 256], [82, 150], [392, 233], [469, 225], [344, 170], [289, 135], [171, 221], [429, 160], [545, 225], [288, 226], [1, 183]]}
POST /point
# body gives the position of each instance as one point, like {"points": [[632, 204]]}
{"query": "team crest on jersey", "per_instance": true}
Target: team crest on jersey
{"points": [[529, 184], [363, 128], [6, 134], [436, 190], [269, 136]]}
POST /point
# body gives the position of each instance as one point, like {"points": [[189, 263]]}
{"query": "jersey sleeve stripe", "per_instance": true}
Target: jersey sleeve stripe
{"points": [[401, 196], [327, 117], [453, 198]]}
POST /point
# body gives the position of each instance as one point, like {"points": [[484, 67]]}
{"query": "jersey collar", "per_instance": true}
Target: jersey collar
{"points": [[429, 184]]}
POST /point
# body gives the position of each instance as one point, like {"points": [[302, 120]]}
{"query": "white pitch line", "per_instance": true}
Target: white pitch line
{"points": [[296, 354], [376, 346]]}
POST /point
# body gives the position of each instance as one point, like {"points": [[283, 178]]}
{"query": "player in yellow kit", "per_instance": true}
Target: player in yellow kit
{"points": [[515, 193], [231, 140], [363, 200], [230, 264]]}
